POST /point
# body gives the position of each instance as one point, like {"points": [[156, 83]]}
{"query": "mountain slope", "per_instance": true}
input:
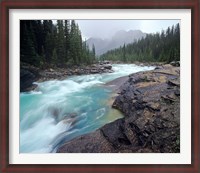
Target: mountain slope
{"points": [[121, 37]]}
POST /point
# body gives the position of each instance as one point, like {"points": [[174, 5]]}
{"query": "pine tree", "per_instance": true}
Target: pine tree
{"points": [[124, 53], [73, 53], [67, 40], [93, 52], [54, 57], [27, 49], [78, 45], [60, 43]]}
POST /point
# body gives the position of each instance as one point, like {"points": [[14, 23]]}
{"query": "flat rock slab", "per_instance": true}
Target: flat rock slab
{"points": [[91, 143], [117, 83]]}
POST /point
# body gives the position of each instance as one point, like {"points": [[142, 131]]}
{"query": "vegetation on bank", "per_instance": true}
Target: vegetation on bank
{"points": [[48, 43], [45, 44], [159, 47]]}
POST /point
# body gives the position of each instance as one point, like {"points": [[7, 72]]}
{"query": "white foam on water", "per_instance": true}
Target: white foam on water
{"points": [[100, 113], [38, 137], [43, 110]]}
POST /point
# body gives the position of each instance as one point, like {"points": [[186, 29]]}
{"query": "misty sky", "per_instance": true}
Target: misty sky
{"points": [[107, 28]]}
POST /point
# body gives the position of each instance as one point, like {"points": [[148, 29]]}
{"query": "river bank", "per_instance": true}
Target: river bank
{"points": [[30, 74], [150, 102]]}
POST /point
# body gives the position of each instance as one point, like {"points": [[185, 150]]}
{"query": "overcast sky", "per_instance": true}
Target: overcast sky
{"points": [[107, 28]]}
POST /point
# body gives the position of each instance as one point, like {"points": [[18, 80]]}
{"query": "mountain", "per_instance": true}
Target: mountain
{"points": [[117, 40], [100, 45]]}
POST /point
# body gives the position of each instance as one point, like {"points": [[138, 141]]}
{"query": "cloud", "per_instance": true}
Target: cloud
{"points": [[107, 28]]}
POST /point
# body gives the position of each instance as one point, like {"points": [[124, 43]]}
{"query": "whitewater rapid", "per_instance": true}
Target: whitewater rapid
{"points": [[60, 110]]}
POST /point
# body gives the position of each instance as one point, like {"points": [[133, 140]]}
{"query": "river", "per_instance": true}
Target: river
{"points": [[60, 110]]}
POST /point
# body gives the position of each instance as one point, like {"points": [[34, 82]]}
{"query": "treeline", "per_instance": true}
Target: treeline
{"points": [[45, 44], [159, 47]]}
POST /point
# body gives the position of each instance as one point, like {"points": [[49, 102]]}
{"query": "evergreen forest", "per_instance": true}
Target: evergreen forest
{"points": [[46, 44], [159, 47]]}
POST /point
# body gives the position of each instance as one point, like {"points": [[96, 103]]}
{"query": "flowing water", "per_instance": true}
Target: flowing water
{"points": [[61, 110]]}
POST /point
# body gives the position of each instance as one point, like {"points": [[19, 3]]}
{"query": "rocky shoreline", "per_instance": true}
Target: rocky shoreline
{"points": [[150, 102], [30, 74]]}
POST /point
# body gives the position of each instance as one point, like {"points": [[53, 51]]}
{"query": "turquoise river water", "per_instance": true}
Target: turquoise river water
{"points": [[60, 110]]}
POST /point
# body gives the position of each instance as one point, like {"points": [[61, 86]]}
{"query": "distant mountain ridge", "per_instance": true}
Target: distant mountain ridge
{"points": [[117, 40]]}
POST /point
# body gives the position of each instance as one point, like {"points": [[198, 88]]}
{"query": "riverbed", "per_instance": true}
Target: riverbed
{"points": [[60, 110]]}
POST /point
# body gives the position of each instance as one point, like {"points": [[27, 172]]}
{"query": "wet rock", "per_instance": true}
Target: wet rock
{"points": [[116, 84], [154, 106], [175, 63], [69, 120], [158, 67], [113, 132], [27, 77], [109, 67], [92, 143], [105, 62], [174, 82], [93, 71]]}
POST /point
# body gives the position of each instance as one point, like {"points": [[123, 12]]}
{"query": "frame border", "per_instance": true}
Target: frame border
{"points": [[194, 5]]}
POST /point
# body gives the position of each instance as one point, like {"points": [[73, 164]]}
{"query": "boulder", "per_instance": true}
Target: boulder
{"points": [[105, 62], [175, 63], [27, 77], [94, 71], [109, 67]]}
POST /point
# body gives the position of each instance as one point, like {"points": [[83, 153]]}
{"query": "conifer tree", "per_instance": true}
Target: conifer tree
{"points": [[78, 45], [73, 53], [67, 40], [27, 50], [60, 47], [93, 52], [45, 44]]}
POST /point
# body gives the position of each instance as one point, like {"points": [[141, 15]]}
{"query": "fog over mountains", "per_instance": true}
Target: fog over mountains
{"points": [[118, 39]]}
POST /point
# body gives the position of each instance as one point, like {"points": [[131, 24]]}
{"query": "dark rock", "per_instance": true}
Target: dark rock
{"points": [[105, 62], [27, 77], [158, 67], [70, 119], [120, 135], [175, 63], [174, 82], [93, 71], [110, 71], [92, 143], [177, 92], [109, 67]]}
